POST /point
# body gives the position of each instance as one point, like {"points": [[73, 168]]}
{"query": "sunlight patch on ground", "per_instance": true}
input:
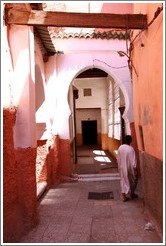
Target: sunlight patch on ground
{"points": [[102, 159], [99, 152]]}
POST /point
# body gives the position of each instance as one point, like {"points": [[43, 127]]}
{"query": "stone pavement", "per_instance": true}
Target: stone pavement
{"points": [[93, 160], [67, 216]]}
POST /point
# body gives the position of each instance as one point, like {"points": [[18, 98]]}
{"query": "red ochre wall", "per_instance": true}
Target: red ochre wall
{"points": [[47, 161], [65, 165], [23, 169], [12, 222], [19, 186], [26, 180], [53, 160]]}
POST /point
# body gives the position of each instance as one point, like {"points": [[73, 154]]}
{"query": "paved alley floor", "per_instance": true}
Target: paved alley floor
{"points": [[93, 160], [67, 216]]}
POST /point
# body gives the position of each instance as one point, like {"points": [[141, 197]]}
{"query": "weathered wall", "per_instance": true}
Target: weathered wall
{"points": [[54, 161], [152, 180], [12, 217], [47, 161], [19, 187], [26, 181], [148, 86], [148, 106], [65, 164], [20, 177], [135, 146], [41, 164]]}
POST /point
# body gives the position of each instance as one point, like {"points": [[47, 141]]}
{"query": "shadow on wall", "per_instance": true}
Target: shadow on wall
{"points": [[39, 87]]}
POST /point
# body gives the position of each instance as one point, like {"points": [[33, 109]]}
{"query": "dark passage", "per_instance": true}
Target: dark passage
{"points": [[89, 132]]}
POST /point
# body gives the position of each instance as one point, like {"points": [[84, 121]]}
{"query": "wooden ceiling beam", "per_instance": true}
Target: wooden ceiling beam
{"points": [[84, 20]]}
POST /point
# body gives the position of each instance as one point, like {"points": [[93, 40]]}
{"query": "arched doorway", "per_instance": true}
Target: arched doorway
{"points": [[94, 110], [69, 67]]}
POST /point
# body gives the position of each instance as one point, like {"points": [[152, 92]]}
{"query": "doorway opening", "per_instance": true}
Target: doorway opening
{"points": [[96, 122], [89, 132]]}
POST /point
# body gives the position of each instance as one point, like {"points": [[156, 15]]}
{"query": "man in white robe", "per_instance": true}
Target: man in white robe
{"points": [[127, 164]]}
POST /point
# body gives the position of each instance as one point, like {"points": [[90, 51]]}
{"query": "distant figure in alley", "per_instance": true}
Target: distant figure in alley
{"points": [[127, 165]]}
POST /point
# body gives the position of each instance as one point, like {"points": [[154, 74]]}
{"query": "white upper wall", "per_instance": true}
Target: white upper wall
{"points": [[82, 46], [69, 65], [98, 99], [61, 71], [88, 114], [21, 40], [89, 7]]}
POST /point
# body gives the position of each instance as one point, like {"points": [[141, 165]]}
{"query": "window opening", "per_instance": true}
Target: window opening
{"points": [[87, 92]]}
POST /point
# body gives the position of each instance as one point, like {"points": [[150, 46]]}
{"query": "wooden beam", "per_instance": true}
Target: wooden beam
{"points": [[66, 19]]}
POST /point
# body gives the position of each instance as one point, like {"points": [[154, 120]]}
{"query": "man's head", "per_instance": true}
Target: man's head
{"points": [[128, 139]]}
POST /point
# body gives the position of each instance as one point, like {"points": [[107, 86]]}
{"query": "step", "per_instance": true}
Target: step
{"points": [[98, 177]]}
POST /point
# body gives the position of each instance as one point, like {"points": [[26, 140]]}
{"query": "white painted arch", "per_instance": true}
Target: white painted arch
{"points": [[70, 65]]}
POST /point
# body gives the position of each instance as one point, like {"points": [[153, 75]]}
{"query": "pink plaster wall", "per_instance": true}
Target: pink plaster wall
{"points": [[23, 88], [148, 86], [117, 8], [148, 110]]}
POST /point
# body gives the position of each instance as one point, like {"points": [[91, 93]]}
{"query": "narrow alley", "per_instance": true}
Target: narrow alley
{"points": [[79, 78], [68, 214]]}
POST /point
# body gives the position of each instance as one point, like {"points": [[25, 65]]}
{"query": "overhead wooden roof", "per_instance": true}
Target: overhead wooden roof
{"points": [[89, 34], [84, 20], [43, 33], [45, 21]]}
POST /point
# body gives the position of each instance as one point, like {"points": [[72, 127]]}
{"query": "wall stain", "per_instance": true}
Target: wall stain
{"points": [[146, 116]]}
